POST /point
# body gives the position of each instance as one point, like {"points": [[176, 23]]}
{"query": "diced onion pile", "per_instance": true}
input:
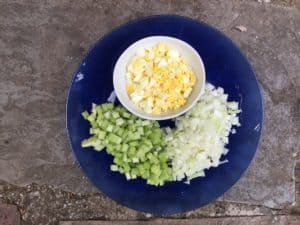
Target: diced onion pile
{"points": [[198, 141]]}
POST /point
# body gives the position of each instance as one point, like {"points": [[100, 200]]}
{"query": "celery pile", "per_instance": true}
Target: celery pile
{"points": [[136, 144]]}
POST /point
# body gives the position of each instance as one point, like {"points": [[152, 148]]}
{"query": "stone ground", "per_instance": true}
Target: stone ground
{"points": [[41, 44]]}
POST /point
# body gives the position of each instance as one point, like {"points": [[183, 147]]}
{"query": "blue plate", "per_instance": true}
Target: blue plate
{"points": [[225, 66]]}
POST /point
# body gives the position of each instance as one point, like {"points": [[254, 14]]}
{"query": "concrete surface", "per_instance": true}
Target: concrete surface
{"points": [[259, 220], [41, 44], [9, 215], [47, 205]]}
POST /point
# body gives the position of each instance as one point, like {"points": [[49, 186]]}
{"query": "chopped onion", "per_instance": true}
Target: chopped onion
{"points": [[198, 141]]}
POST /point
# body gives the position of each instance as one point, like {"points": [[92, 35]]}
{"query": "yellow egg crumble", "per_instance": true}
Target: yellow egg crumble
{"points": [[158, 79]]}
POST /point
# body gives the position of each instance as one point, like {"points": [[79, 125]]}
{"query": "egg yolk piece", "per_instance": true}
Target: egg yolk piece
{"points": [[158, 79]]}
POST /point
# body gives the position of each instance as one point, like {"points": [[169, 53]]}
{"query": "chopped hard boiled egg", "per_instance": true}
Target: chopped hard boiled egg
{"points": [[158, 79]]}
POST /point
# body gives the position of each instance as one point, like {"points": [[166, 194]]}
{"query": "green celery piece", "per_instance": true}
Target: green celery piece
{"points": [[143, 158], [115, 129], [153, 179], [120, 131], [146, 123], [118, 147], [164, 166], [124, 136], [114, 167], [130, 122], [121, 170], [110, 148], [99, 147], [158, 148], [146, 148], [148, 132], [155, 137], [99, 121], [100, 115], [104, 107], [94, 111], [126, 167], [131, 151], [94, 130], [98, 109], [150, 156], [133, 176], [141, 153], [85, 115], [106, 142], [135, 171], [132, 136], [126, 115], [119, 155], [133, 143], [135, 160], [136, 136], [92, 141], [104, 124], [120, 109], [119, 121], [147, 173], [164, 176], [155, 160], [156, 125], [139, 122], [114, 138], [110, 106], [141, 169], [91, 118], [101, 134], [124, 147], [147, 165], [109, 128], [128, 177], [148, 143], [155, 169], [125, 159], [140, 130], [118, 161], [107, 115], [144, 175], [115, 115], [163, 156], [107, 106]]}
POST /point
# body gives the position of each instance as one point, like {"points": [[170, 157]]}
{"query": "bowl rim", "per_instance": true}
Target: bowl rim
{"points": [[183, 109]]}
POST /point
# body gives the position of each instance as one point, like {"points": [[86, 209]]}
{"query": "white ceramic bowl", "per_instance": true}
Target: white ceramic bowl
{"points": [[191, 57]]}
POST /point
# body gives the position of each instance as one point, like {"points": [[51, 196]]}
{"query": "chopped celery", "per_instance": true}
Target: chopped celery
{"points": [[89, 142], [109, 128], [119, 121], [114, 138], [136, 144], [126, 115], [131, 151], [107, 115], [113, 167], [101, 134], [85, 115], [124, 147]]}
